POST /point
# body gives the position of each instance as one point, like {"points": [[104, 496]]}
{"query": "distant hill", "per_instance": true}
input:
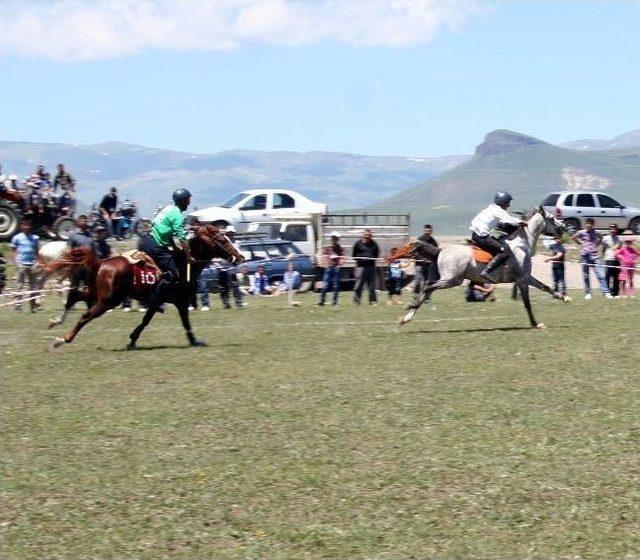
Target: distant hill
{"points": [[150, 175], [627, 140], [527, 167]]}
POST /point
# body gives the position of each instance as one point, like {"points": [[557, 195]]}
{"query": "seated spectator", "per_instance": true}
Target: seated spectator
{"points": [[66, 204], [292, 279], [260, 283], [245, 280], [480, 292]]}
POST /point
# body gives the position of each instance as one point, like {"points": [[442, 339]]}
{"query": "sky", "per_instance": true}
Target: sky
{"points": [[381, 77]]}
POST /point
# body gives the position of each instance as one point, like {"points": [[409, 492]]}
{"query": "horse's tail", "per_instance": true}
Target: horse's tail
{"points": [[72, 260]]}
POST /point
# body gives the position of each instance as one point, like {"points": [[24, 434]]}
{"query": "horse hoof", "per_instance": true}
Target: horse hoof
{"points": [[58, 342], [566, 299], [131, 346], [406, 318], [53, 323], [197, 342], [541, 326]]}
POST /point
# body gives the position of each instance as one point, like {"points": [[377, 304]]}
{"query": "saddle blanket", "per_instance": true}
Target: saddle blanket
{"points": [[145, 271], [480, 255]]}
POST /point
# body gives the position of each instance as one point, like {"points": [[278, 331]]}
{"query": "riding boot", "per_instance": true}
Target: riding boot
{"points": [[494, 263]]}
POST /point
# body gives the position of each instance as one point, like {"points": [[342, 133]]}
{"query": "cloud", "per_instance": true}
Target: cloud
{"points": [[89, 30]]}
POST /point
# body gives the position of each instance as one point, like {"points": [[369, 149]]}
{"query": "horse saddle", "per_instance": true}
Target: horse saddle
{"points": [[145, 271], [480, 255]]}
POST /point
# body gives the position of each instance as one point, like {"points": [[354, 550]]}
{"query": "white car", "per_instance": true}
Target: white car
{"points": [[258, 204]]}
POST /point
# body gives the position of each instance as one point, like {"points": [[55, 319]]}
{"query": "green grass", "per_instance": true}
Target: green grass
{"points": [[326, 433]]}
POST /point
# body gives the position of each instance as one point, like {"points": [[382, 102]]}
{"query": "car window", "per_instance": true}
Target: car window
{"points": [[551, 199], [234, 200], [585, 201], [258, 253], [296, 232], [246, 255], [282, 200], [258, 202], [607, 202], [568, 201]]}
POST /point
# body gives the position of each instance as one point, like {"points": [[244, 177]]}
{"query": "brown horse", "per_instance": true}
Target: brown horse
{"points": [[111, 280]]}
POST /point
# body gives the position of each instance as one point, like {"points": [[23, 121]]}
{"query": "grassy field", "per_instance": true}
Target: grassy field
{"points": [[313, 432]]}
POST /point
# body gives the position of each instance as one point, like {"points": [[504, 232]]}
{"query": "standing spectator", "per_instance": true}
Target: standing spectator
{"points": [[24, 248], [228, 276], [108, 207], [557, 265], [365, 251], [42, 177], [426, 270], [100, 244], [628, 256], [589, 240], [205, 280], [80, 238], [333, 259], [64, 180], [611, 244], [395, 279]]}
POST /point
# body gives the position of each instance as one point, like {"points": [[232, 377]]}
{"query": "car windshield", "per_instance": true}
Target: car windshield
{"points": [[234, 200]]}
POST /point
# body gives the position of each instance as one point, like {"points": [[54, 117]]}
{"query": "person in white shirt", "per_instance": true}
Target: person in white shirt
{"points": [[493, 215]]}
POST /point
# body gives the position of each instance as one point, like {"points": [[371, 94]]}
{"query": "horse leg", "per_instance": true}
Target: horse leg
{"points": [[135, 334], [523, 286], [74, 296], [94, 311], [183, 310], [425, 292], [556, 295]]}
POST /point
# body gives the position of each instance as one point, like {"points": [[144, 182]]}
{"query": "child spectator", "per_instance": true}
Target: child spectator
{"points": [[611, 244], [395, 279], [628, 256], [557, 265], [292, 279], [333, 259], [24, 248]]}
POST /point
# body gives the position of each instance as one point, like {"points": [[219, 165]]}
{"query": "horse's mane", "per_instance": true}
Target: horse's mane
{"points": [[209, 230], [408, 251]]}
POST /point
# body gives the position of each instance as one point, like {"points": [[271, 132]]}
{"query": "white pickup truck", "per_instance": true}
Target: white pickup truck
{"points": [[312, 233]]}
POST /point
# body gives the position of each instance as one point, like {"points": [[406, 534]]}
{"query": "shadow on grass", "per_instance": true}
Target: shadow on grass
{"points": [[156, 347], [486, 329]]}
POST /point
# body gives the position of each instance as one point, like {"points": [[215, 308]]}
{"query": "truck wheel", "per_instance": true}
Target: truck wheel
{"points": [[9, 220], [634, 226], [63, 227], [571, 225]]}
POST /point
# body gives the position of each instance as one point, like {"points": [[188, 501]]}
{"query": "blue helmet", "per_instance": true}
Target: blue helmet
{"points": [[502, 197], [181, 195]]}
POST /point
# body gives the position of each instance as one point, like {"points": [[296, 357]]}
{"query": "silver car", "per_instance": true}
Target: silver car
{"points": [[574, 207]]}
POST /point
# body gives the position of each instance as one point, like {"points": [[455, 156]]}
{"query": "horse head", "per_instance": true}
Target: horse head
{"points": [[552, 226], [210, 242], [407, 251]]}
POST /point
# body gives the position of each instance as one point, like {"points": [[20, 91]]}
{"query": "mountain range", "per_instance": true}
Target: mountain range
{"points": [[528, 168], [150, 175], [445, 191]]}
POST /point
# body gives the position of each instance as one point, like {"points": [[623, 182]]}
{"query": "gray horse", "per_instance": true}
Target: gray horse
{"points": [[456, 263]]}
